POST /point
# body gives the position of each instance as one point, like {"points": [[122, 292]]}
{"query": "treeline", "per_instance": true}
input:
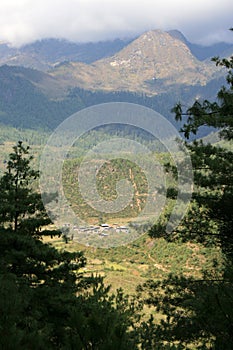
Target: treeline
{"points": [[29, 136]]}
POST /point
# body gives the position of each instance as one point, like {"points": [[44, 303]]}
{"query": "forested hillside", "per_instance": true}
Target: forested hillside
{"points": [[27, 102]]}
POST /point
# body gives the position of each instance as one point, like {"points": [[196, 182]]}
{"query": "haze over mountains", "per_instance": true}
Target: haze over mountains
{"points": [[46, 81]]}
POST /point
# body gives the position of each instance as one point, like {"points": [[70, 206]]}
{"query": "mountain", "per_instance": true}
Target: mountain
{"points": [[156, 70], [153, 63], [202, 52], [44, 54]]}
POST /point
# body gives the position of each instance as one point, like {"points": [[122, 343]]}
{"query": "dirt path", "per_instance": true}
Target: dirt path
{"points": [[138, 203]]}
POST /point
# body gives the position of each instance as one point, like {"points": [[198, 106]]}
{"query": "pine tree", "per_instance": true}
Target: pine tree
{"points": [[45, 300], [199, 313], [21, 207]]}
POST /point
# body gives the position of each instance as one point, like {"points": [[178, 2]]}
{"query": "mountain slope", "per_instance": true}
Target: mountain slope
{"points": [[26, 103], [153, 63], [45, 83]]}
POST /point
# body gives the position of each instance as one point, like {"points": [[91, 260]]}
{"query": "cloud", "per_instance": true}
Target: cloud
{"points": [[23, 21]]}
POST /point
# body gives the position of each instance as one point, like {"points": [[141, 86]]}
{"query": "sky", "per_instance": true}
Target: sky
{"points": [[201, 21]]}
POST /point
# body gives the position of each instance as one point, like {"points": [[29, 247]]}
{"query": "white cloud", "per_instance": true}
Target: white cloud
{"points": [[22, 21]]}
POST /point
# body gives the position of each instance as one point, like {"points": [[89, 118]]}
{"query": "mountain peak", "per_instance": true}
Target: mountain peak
{"points": [[178, 35], [152, 63]]}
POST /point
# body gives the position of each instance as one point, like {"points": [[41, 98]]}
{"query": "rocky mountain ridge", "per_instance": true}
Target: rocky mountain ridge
{"points": [[153, 63]]}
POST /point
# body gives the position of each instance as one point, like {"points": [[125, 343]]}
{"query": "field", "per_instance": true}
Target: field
{"points": [[128, 266]]}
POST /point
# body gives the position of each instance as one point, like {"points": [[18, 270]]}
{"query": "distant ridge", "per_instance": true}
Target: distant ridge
{"points": [[43, 54], [203, 52]]}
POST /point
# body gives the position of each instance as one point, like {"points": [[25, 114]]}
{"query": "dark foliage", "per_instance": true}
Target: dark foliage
{"points": [[198, 313]]}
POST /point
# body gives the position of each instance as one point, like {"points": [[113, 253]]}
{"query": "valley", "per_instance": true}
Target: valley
{"points": [[130, 240], [130, 265]]}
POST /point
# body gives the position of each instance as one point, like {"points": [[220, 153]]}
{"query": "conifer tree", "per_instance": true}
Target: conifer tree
{"points": [[45, 300], [199, 313], [21, 207]]}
